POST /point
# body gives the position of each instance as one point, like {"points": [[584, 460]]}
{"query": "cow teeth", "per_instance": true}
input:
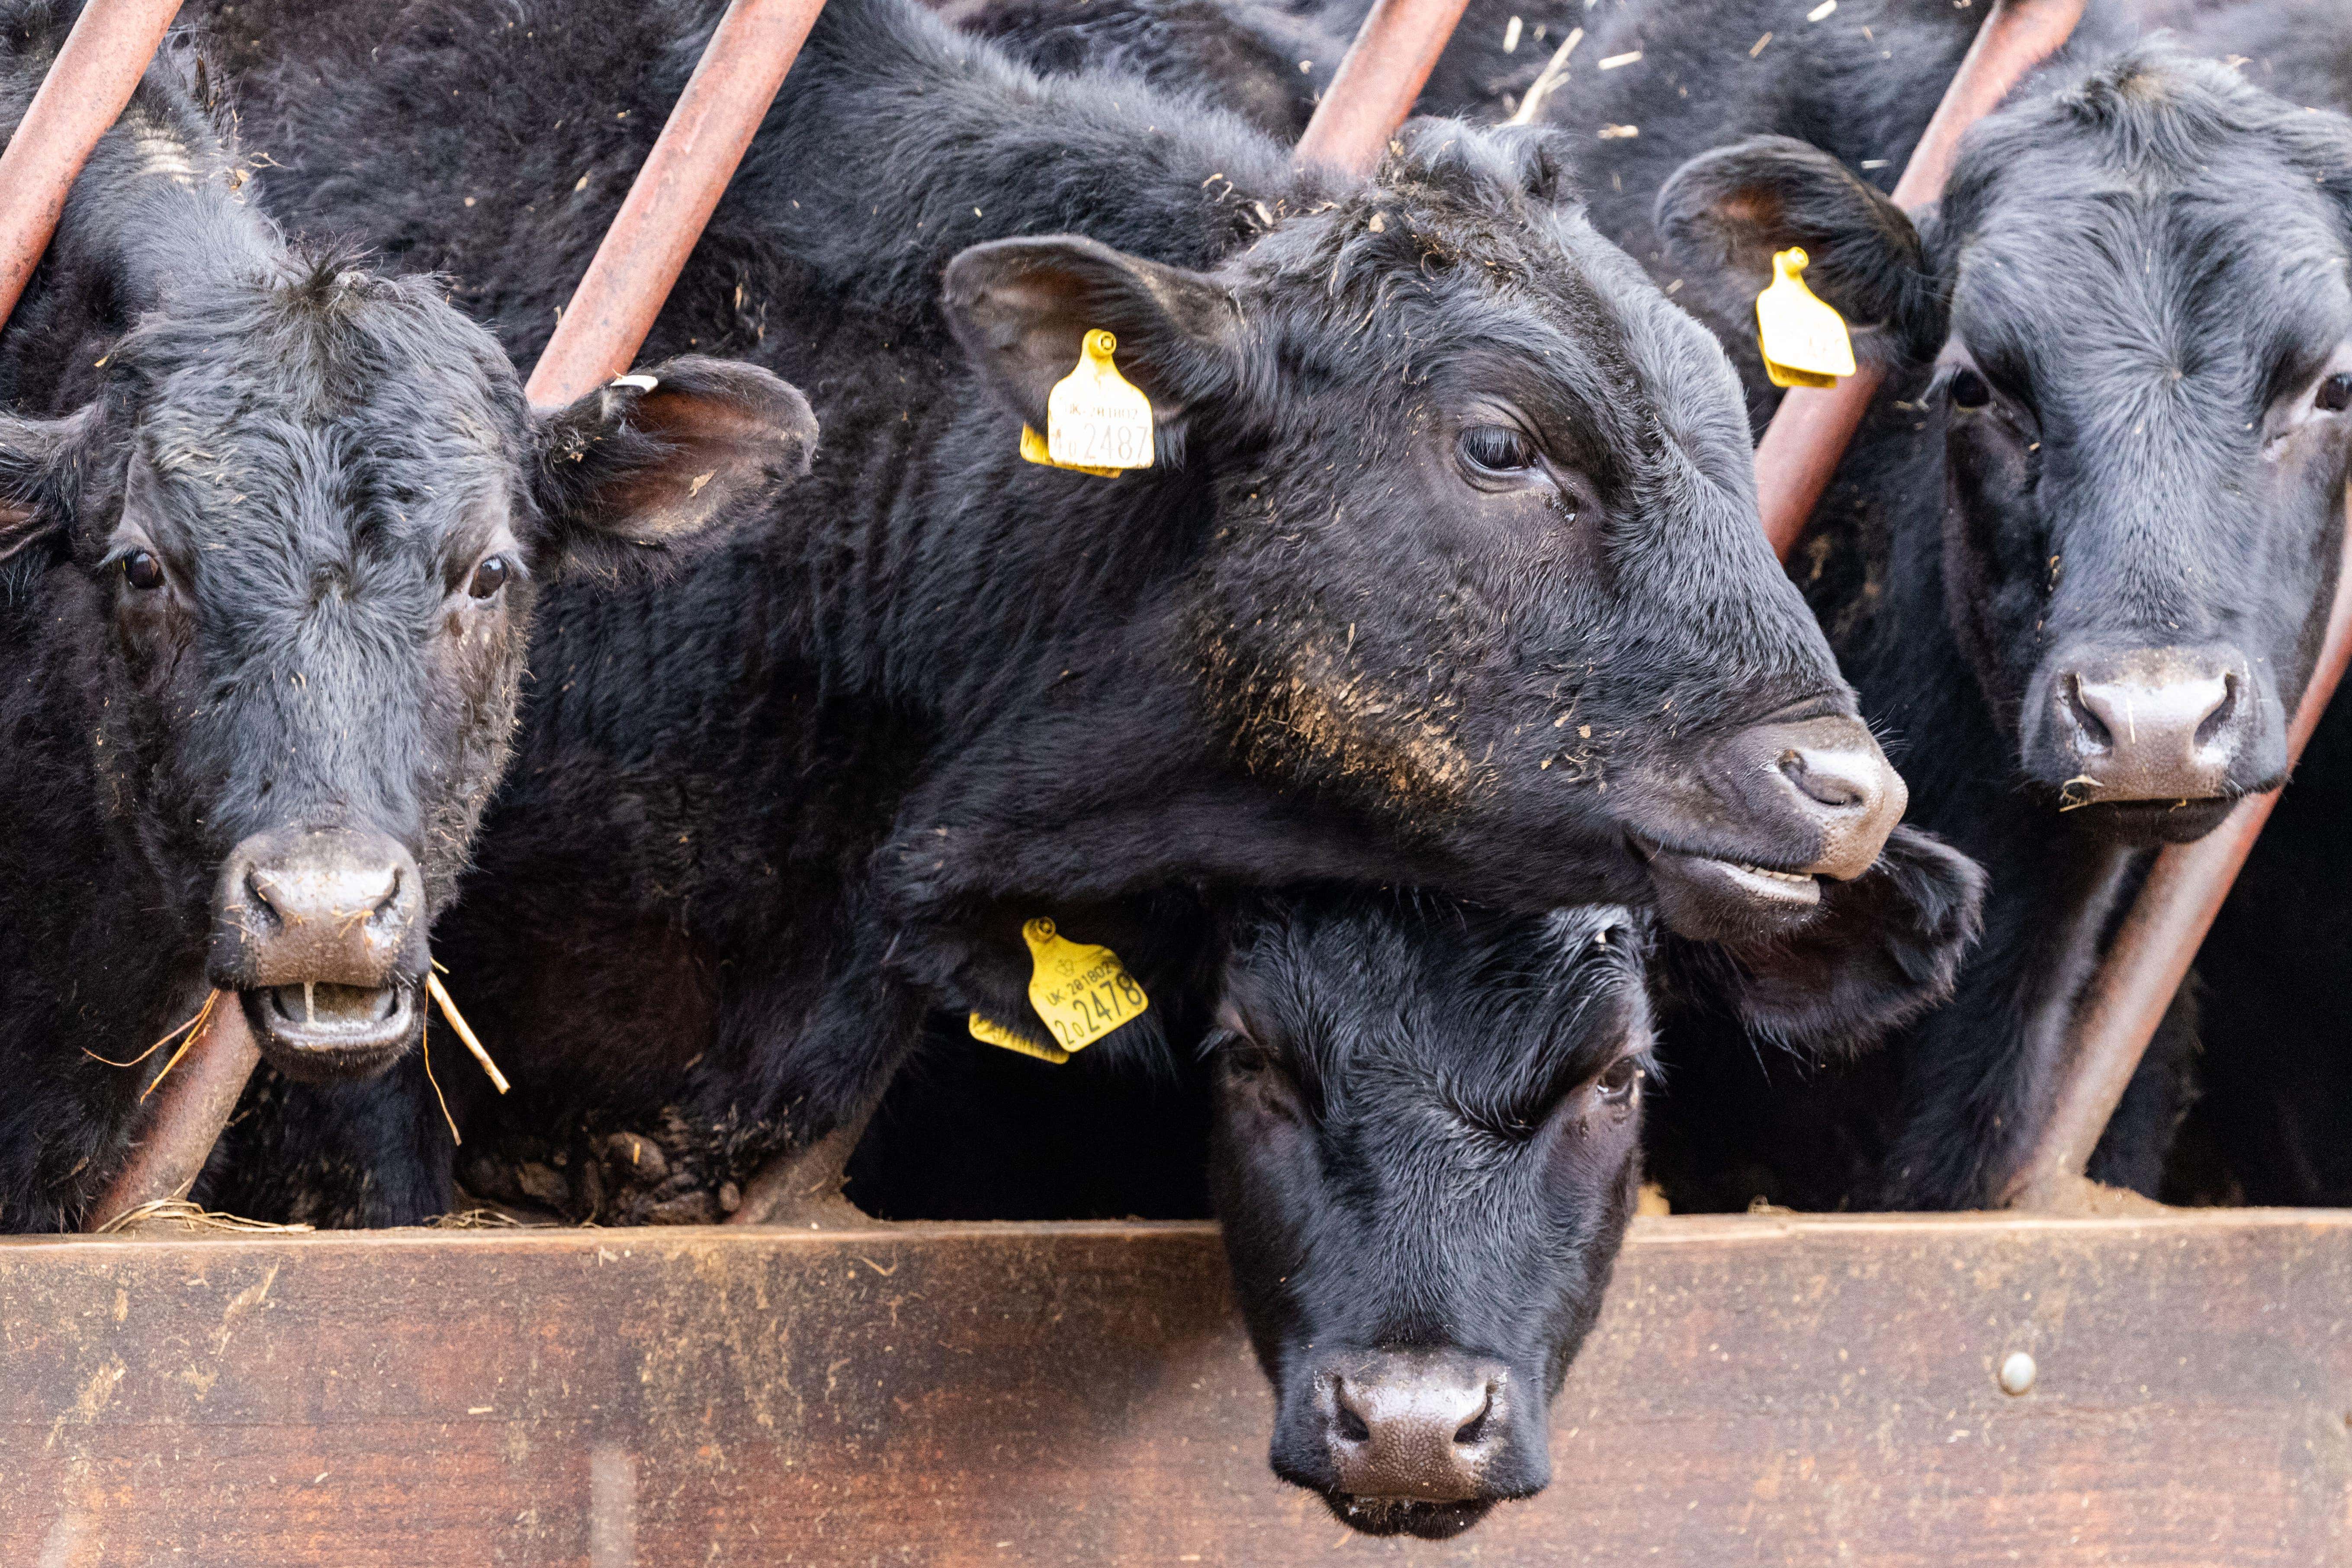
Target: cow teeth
{"points": [[1776, 875]]}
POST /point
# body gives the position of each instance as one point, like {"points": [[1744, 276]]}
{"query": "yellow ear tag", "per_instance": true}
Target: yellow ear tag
{"points": [[989, 1032], [1097, 421], [1803, 341], [1081, 991]]}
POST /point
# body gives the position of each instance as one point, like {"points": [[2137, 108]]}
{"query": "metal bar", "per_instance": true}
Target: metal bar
{"points": [[84, 93], [2154, 947], [802, 1189], [671, 199], [1373, 89], [1812, 428], [190, 1106]]}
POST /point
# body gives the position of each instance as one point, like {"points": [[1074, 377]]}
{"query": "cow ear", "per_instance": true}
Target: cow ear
{"points": [[1885, 948], [1726, 213], [671, 454], [1021, 306], [33, 506]]}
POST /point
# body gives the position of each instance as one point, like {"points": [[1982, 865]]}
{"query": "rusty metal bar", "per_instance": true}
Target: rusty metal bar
{"points": [[1812, 428], [84, 93], [191, 1105], [1373, 89], [2154, 947], [671, 199]]}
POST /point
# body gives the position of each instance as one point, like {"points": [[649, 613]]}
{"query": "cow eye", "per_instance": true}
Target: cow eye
{"points": [[1621, 1082], [489, 577], [142, 571], [1969, 389], [2335, 392], [1243, 1054], [1497, 449]]}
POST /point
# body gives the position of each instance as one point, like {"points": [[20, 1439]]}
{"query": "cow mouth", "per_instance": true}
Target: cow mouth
{"points": [[1710, 897], [2144, 824], [1407, 1516], [318, 1030]]}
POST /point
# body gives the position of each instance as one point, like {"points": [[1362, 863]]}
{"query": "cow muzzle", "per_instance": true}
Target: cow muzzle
{"points": [[2155, 742], [321, 933], [1815, 796], [1414, 1442]]}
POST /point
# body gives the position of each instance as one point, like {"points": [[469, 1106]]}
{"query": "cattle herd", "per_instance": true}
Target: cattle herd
{"points": [[1430, 732]]}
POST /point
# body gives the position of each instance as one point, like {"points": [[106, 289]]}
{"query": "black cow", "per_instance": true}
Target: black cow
{"points": [[1423, 1144], [1448, 572], [270, 528], [2083, 550], [2275, 1076], [1426, 1147]]}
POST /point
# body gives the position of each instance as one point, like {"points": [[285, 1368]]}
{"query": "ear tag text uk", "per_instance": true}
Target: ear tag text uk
{"points": [[1097, 421], [1803, 340], [1082, 991]]}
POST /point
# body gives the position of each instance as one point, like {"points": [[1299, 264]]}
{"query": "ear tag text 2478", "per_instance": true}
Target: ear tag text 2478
{"points": [[1803, 341], [1097, 421], [1081, 991]]}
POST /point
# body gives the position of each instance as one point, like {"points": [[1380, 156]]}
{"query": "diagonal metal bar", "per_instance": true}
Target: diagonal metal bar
{"points": [[84, 94], [672, 198], [192, 1101], [1373, 89]]}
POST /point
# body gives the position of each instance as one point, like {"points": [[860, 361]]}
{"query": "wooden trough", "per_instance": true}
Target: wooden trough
{"points": [[1763, 1389]]}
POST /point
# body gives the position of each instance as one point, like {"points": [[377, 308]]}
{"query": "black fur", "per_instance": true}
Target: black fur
{"points": [[1265, 63], [315, 459]]}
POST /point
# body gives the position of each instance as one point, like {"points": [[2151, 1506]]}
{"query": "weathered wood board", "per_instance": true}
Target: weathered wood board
{"points": [[1762, 1390]]}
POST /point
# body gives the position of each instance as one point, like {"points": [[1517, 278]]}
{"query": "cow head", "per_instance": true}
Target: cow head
{"points": [[1427, 1142], [311, 510], [1529, 628], [2134, 302]]}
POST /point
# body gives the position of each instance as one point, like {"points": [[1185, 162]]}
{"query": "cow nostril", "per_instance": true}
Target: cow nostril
{"points": [[1823, 779], [1470, 1431], [391, 896], [2095, 735], [1350, 1425], [2209, 728], [257, 900]]}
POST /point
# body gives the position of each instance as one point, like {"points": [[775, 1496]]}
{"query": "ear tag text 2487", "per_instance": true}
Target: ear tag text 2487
{"points": [[1803, 341], [1081, 991], [1097, 421]]}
